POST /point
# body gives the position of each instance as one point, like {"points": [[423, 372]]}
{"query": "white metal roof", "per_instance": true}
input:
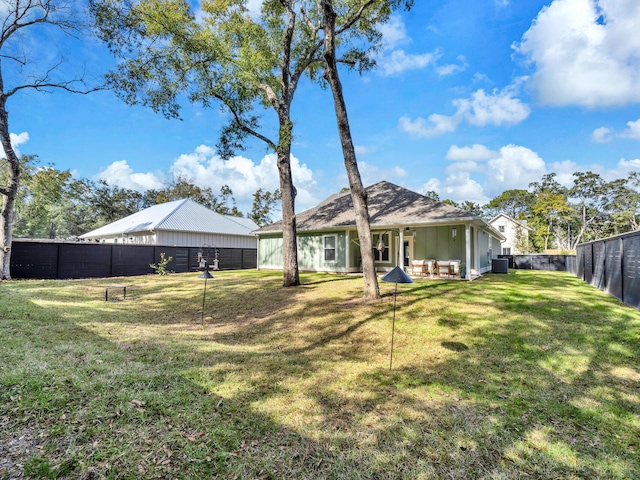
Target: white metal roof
{"points": [[179, 215]]}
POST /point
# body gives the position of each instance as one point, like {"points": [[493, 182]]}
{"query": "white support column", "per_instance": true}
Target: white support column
{"points": [[258, 254], [347, 254], [401, 249], [467, 253]]}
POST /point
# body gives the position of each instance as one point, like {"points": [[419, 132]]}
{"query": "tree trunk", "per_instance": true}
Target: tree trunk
{"points": [[358, 193], [9, 194], [290, 269]]}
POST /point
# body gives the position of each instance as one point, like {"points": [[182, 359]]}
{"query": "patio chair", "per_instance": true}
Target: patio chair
{"points": [[444, 268], [455, 267], [430, 266], [418, 266]]}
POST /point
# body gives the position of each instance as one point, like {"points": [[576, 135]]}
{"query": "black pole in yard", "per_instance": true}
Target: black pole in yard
{"points": [[206, 275], [397, 275], [393, 325]]}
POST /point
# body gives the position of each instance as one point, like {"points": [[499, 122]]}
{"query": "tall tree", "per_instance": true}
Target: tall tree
{"points": [[516, 203], [593, 195], [41, 190], [22, 70], [226, 56], [550, 207], [367, 15]]}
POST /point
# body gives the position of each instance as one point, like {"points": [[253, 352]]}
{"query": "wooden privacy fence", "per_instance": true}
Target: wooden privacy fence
{"points": [[613, 265], [58, 260]]}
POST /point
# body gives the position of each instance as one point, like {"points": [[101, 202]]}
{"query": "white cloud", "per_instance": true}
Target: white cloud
{"points": [[474, 152], [431, 185], [602, 135], [399, 61], [394, 33], [585, 52], [363, 150], [120, 174], [515, 167], [564, 171], [207, 170], [512, 166], [633, 131], [243, 175], [461, 187], [371, 174], [453, 68], [17, 140], [434, 125], [605, 134], [393, 60], [498, 108]]}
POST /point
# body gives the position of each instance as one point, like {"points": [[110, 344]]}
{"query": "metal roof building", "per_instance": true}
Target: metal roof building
{"points": [[182, 223]]}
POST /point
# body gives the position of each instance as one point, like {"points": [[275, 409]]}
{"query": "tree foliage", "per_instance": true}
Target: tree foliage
{"points": [[23, 68], [264, 203]]}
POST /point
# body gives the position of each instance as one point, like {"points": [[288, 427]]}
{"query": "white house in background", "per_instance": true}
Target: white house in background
{"points": [[516, 233], [182, 223]]}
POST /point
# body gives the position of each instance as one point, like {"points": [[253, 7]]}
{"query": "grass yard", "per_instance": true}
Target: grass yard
{"points": [[530, 375]]}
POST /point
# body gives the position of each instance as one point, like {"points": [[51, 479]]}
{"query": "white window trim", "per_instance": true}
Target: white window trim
{"points": [[388, 248], [335, 249]]}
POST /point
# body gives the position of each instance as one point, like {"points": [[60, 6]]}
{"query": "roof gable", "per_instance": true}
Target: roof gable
{"points": [[511, 220], [388, 204], [180, 215]]}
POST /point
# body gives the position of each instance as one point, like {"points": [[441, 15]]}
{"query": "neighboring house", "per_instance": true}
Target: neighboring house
{"points": [[412, 227], [183, 223], [516, 234]]}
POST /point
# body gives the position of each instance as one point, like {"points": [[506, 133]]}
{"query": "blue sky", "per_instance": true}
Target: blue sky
{"points": [[470, 98]]}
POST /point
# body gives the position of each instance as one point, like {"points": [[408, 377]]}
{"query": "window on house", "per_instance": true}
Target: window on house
{"points": [[329, 245], [506, 251], [381, 255], [501, 228]]}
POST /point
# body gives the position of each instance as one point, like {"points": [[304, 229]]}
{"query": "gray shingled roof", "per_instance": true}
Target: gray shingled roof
{"points": [[179, 215], [388, 204]]}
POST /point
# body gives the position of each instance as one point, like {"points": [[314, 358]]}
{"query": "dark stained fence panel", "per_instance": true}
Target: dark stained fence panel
{"points": [[84, 261], [127, 260], [556, 263], [580, 261], [631, 271], [51, 260], [613, 268], [230, 259], [34, 260], [599, 279], [181, 260], [522, 262], [249, 258], [588, 264]]}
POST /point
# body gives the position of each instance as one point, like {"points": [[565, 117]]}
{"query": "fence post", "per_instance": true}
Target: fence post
{"points": [[622, 270]]}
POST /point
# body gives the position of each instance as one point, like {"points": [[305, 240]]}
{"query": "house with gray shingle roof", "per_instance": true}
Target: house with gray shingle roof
{"points": [[408, 226], [182, 223]]}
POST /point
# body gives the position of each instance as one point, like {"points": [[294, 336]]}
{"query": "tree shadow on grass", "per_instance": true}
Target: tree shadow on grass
{"points": [[303, 391]]}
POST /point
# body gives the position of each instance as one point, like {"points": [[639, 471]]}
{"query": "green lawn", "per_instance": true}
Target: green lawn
{"points": [[526, 375]]}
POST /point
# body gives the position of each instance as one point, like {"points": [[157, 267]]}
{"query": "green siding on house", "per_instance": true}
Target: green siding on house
{"points": [[310, 252], [270, 251], [483, 248], [438, 243]]}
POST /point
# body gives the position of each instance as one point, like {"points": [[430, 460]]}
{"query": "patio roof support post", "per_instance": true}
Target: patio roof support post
{"points": [[401, 250], [467, 252]]}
